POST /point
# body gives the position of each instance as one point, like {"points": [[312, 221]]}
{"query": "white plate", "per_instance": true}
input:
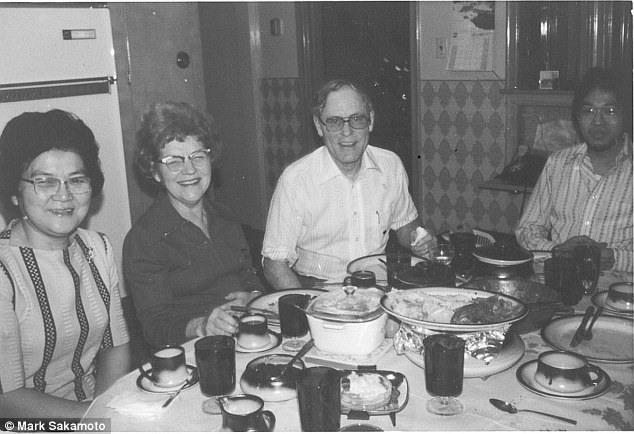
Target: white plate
{"points": [[525, 375], [612, 342], [270, 301], [510, 353], [274, 341], [439, 291], [146, 385], [500, 261], [372, 263], [600, 298]]}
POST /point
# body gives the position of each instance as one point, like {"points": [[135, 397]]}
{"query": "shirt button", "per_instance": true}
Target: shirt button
{"points": [[355, 213], [356, 239], [587, 223]]}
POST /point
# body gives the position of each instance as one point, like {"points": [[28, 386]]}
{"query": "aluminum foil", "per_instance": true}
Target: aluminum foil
{"points": [[481, 345]]}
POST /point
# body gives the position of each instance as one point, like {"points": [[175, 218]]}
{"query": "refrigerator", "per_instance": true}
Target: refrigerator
{"points": [[63, 57]]}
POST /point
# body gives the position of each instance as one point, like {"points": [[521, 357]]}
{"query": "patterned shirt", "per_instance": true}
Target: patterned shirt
{"points": [[570, 200], [58, 308], [319, 220]]}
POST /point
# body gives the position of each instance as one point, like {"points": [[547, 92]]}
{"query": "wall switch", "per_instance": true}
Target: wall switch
{"points": [[441, 48]]}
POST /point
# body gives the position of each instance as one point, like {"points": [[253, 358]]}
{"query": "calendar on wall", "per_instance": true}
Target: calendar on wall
{"points": [[471, 51]]}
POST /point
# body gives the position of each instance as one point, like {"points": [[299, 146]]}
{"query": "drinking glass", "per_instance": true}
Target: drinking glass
{"points": [[216, 361], [293, 321], [587, 260], [442, 253], [444, 371], [398, 258]]}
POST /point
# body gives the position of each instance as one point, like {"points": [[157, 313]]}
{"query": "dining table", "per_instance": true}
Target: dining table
{"points": [[131, 409]]}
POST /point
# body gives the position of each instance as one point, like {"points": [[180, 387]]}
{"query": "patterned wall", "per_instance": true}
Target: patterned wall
{"points": [[462, 140], [281, 126]]}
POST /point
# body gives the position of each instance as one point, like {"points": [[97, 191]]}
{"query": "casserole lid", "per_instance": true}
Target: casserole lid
{"points": [[348, 304]]}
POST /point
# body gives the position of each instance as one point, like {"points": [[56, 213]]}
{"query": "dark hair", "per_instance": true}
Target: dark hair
{"points": [[167, 121], [31, 134], [616, 82], [319, 100]]}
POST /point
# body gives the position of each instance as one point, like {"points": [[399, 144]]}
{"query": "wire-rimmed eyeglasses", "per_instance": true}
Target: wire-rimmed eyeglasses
{"points": [[175, 163], [336, 123], [51, 186], [609, 112]]}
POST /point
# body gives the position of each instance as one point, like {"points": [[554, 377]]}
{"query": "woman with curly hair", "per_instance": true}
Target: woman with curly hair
{"points": [[186, 259]]}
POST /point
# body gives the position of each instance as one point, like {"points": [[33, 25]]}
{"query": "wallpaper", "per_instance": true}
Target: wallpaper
{"points": [[462, 144]]}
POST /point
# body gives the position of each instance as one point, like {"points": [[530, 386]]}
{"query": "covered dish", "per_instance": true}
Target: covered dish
{"points": [[347, 320]]}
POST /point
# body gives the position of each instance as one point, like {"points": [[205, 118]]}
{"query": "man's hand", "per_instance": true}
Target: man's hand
{"points": [[607, 254], [420, 241]]}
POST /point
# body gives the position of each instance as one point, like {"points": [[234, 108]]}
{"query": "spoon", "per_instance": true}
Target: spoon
{"points": [[192, 377], [510, 408], [303, 350], [588, 336]]}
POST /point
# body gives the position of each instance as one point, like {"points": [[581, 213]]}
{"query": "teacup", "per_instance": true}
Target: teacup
{"points": [[621, 296], [566, 372], [244, 413], [168, 367], [253, 332]]}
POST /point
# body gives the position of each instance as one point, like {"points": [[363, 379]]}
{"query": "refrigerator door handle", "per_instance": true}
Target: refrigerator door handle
{"points": [[15, 92]]}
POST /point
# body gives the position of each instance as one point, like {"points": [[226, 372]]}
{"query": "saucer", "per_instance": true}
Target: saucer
{"points": [[526, 372], [146, 385], [274, 341], [600, 299]]}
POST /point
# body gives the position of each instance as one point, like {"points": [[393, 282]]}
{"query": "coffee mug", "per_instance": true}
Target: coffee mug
{"points": [[361, 279], [253, 332], [566, 372], [620, 296], [168, 367], [242, 413]]}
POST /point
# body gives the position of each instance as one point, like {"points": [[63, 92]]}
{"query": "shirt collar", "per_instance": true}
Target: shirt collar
{"points": [[329, 170]]}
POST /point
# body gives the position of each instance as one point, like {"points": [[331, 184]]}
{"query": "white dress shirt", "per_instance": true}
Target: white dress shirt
{"points": [[319, 220]]}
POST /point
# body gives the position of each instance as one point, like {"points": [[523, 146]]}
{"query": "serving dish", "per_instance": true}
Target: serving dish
{"points": [[373, 263], [612, 342], [481, 238], [347, 320], [390, 301], [261, 377], [400, 395], [270, 301], [426, 273]]}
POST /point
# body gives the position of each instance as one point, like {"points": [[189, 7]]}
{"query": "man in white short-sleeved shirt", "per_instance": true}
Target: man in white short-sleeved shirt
{"points": [[339, 202]]}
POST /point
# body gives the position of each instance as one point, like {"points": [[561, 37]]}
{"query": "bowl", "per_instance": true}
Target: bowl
{"points": [[621, 296], [258, 377], [347, 321], [433, 308]]}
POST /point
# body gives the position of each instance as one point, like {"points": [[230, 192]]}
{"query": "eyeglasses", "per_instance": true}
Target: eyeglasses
{"points": [[175, 163], [609, 112], [50, 186], [336, 123]]}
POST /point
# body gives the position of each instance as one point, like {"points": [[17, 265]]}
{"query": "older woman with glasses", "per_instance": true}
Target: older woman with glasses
{"points": [[186, 259], [63, 337]]}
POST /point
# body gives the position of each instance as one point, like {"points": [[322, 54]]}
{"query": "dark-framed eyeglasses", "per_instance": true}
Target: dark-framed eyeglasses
{"points": [[609, 112], [51, 186], [175, 163], [336, 123]]}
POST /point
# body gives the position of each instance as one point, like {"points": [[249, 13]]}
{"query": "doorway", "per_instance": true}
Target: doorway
{"points": [[369, 43]]}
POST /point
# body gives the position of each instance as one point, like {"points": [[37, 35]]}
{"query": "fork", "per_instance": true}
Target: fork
{"points": [[588, 335]]}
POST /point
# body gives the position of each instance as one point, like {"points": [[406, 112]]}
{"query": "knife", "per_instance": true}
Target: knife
{"points": [[581, 331], [588, 332]]}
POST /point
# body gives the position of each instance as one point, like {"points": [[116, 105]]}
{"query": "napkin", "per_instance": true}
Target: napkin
{"points": [[420, 233], [138, 404]]}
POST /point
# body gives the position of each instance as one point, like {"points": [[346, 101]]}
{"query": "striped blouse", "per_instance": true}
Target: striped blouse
{"points": [[57, 309], [570, 200]]}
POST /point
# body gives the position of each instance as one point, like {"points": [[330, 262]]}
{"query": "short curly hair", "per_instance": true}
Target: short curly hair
{"points": [[30, 134], [167, 121]]}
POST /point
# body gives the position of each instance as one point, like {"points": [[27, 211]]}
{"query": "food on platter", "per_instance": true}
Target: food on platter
{"points": [[365, 389], [453, 308], [485, 311]]}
